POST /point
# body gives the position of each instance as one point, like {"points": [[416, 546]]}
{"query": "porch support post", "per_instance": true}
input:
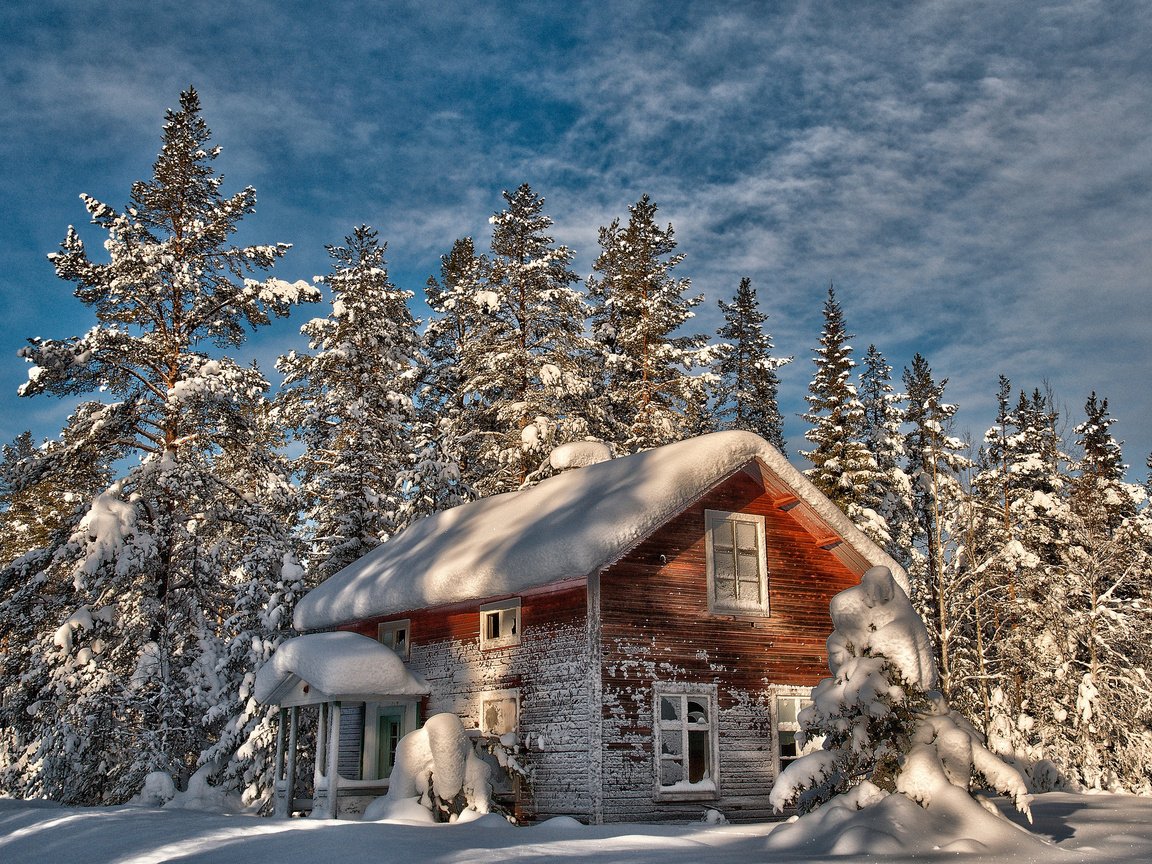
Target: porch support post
{"points": [[280, 803], [290, 772], [319, 766], [333, 759]]}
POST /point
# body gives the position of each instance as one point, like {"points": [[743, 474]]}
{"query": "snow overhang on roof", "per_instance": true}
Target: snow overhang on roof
{"points": [[569, 526], [324, 667]]}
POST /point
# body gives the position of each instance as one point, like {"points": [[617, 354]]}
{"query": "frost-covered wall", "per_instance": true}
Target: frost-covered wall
{"points": [[550, 670], [663, 635], [744, 725]]}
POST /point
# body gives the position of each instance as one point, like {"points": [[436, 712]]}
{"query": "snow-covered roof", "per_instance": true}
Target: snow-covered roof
{"points": [[568, 526], [337, 665]]}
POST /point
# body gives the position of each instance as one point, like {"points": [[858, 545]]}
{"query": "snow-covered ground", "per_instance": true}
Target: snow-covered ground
{"points": [[1090, 828]]}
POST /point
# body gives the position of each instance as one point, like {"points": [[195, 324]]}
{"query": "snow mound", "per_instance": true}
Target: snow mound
{"points": [[579, 454], [896, 825], [436, 769]]}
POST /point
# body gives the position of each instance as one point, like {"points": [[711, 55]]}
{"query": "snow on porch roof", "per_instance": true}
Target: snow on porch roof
{"points": [[335, 665], [568, 526]]}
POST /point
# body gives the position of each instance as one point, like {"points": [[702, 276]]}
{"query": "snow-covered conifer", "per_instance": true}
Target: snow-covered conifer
{"points": [[638, 307], [1103, 741], [451, 349], [884, 727], [935, 462], [352, 404], [530, 371], [44, 498], [150, 559], [842, 468], [747, 385], [889, 492]]}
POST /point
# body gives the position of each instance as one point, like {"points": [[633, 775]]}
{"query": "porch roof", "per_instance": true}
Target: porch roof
{"points": [[324, 667]]}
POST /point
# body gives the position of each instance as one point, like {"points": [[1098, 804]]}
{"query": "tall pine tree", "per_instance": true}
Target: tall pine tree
{"points": [[452, 349], [935, 463], [889, 491], [842, 468], [153, 560], [530, 369], [650, 394], [747, 387], [352, 403]]}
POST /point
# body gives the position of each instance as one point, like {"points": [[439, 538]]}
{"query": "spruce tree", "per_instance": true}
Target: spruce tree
{"points": [[935, 462], [152, 558], [1108, 614], [351, 402], [530, 368], [452, 348], [747, 386], [889, 491], [649, 391], [842, 468], [44, 500]]}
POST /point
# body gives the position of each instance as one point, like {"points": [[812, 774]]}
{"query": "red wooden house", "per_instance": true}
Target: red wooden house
{"points": [[647, 626]]}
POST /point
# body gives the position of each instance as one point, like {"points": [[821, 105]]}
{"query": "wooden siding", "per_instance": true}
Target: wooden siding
{"points": [[656, 626], [550, 667]]}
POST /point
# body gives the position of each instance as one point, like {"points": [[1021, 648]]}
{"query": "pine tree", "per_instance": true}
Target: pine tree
{"points": [[45, 498], [638, 306], [352, 404], [745, 368], [530, 372], [151, 555], [1104, 575], [934, 466], [889, 491], [842, 468], [452, 348]]}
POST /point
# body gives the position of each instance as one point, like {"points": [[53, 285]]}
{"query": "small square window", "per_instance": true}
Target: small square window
{"points": [[500, 624], [396, 635], [500, 712], [736, 562]]}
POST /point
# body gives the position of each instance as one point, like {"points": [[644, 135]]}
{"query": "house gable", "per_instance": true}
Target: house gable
{"points": [[657, 631]]}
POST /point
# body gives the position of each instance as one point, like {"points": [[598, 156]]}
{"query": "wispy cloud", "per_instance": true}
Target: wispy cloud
{"points": [[974, 176]]}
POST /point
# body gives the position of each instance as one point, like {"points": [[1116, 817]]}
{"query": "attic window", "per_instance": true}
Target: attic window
{"points": [[736, 562], [500, 624]]}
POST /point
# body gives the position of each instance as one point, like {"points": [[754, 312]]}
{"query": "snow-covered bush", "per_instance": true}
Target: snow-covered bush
{"points": [[437, 766], [885, 728]]}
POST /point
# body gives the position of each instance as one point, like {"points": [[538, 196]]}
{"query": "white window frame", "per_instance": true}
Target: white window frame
{"points": [[503, 698], [708, 787], [386, 635], [506, 615], [802, 695], [713, 518]]}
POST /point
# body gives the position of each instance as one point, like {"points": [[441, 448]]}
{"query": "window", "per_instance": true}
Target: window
{"points": [[737, 568], [789, 704], [687, 761], [499, 712], [395, 634], [500, 624]]}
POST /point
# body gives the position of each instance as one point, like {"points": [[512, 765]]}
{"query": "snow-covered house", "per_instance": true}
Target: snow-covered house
{"points": [[648, 626]]}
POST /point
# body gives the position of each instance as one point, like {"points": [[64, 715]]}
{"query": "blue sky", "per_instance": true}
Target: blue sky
{"points": [[974, 177]]}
